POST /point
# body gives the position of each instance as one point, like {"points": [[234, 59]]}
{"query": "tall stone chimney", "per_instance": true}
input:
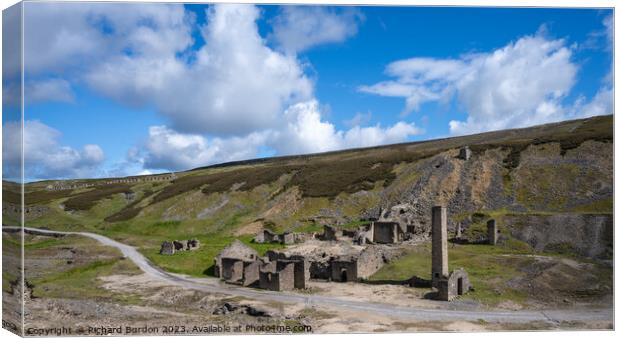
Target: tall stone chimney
{"points": [[440, 243]]}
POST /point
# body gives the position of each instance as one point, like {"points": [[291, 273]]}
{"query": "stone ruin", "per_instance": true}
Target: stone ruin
{"points": [[68, 185], [170, 247], [240, 264], [448, 285], [340, 261], [375, 232], [288, 238]]}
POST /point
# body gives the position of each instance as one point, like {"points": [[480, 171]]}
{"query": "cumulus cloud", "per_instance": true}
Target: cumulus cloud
{"points": [[235, 84], [520, 84], [307, 132], [298, 28], [44, 156], [303, 132], [171, 150]]}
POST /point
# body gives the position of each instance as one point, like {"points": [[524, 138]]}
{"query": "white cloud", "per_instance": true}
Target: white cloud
{"points": [[235, 85], [168, 149], [358, 120], [303, 132], [518, 85], [306, 132], [298, 28], [58, 90], [601, 104], [44, 156]]}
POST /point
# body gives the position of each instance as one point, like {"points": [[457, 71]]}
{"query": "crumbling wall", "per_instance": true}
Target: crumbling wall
{"points": [[385, 232], [455, 285], [344, 269], [232, 270], [251, 273], [370, 261]]}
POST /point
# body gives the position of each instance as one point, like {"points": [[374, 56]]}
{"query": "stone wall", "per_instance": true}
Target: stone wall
{"points": [[232, 270], [370, 261], [344, 270], [385, 232], [455, 285]]}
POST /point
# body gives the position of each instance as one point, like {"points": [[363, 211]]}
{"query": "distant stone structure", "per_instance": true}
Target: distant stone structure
{"points": [[170, 247], [449, 286], [465, 153], [265, 236], [386, 232], [344, 269], [331, 233], [72, 185], [288, 238], [167, 248], [492, 232]]}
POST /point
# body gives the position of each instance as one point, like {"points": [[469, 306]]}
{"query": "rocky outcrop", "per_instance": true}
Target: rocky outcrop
{"points": [[589, 235]]}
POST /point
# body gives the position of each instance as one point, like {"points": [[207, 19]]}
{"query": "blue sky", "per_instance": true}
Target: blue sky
{"points": [[118, 89]]}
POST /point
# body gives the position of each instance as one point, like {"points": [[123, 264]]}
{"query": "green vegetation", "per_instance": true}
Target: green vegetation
{"points": [[489, 268], [200, 262], [81, 282], [131, 210], [88, 199]]}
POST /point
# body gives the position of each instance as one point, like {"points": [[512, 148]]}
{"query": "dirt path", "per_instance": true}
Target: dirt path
{"points": [[412, 313]]}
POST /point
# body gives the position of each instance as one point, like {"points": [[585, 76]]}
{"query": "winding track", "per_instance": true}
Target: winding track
{"points": [[411, 313]]}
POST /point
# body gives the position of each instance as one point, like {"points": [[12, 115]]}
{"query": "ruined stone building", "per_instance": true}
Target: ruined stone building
{"points": [[169, 248], [352, 267], [386, 232], [288, 238], [448, 285], [265, 236], [240, 264], [344, 269], [455, 285], [236, 251], [284, 274], [277, 276]]}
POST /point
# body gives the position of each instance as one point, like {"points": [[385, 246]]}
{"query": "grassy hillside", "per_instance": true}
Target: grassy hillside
{"points": [[564, 167]]}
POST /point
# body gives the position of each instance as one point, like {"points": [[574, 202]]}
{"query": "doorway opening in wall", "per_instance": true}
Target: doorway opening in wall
{"points": [[343, 275], [459, 286]]}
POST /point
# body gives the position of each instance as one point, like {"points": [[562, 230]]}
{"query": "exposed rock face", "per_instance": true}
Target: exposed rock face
{"points": [[588, 235], [543, 180]]}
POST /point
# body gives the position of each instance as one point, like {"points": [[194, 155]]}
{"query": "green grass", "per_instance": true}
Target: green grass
{"points": [[489, 268], [88, 199], [82, 283], [200, 262]]}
